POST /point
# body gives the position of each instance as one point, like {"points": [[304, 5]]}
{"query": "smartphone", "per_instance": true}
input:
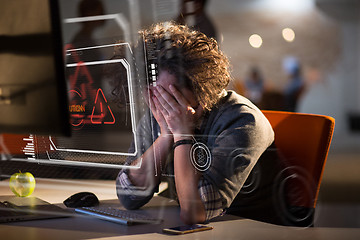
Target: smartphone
{"points": [[187, 229]]}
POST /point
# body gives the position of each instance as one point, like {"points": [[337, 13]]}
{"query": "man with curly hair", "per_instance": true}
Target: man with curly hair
{"points": [[190, 107]]}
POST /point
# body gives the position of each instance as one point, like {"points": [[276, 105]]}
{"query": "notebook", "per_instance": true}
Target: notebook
{"points": [[15, 209]]}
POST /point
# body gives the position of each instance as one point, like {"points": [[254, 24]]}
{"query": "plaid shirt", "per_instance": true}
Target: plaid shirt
{"points": [[209, 195]]}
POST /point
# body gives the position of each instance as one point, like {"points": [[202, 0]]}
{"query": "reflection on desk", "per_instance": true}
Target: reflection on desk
{"points": [[84, 227]]}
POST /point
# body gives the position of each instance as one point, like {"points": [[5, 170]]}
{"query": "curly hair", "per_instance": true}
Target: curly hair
{"points": [[193, 58]]}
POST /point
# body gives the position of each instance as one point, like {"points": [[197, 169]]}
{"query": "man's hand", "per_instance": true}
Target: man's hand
{"points": [[157, 113], [180, 116]]}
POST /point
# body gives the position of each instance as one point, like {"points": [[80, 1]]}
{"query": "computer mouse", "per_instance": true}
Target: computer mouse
{"points": [[81, 199]]}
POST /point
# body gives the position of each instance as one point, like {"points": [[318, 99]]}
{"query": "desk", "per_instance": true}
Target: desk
{"points": [[82, 227]]}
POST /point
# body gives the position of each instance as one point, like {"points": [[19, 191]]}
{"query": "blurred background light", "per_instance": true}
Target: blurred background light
{"points": [[255, 41], [299, 6], [288, 34]]}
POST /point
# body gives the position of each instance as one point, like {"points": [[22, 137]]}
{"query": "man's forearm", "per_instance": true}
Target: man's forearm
{"points": [[151, 162], [186, 181]]}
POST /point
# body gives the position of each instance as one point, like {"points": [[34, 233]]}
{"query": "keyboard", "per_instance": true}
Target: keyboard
{"points": [[126, 217]]}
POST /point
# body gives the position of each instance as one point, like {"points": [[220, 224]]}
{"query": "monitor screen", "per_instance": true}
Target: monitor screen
{"points": [[106, 90], [107, 73], [32, 81]]}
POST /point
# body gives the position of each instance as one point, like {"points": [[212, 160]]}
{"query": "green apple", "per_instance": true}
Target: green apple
{"points": [[22, 184]]}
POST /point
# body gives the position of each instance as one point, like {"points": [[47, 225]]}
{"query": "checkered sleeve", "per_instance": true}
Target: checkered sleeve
{"points": [[125, 187], [211, 198]]}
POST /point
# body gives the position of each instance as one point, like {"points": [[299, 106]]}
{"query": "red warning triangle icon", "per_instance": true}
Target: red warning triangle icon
{"points": [[81, 72], [101, 109], [80, 78]]}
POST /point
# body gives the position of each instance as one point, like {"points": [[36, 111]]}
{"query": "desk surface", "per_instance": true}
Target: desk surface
{"points": [[81, 227]]}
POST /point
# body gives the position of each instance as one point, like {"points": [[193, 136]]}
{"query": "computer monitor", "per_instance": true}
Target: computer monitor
{"points": [[33, 95], [102, 116], [106, 92]]}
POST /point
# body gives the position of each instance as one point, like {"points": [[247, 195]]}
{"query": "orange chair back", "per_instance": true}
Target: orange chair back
{"points": [[303, 142]]}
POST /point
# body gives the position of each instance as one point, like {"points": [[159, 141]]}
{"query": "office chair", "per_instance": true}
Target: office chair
{"points": [[284, 185]]}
